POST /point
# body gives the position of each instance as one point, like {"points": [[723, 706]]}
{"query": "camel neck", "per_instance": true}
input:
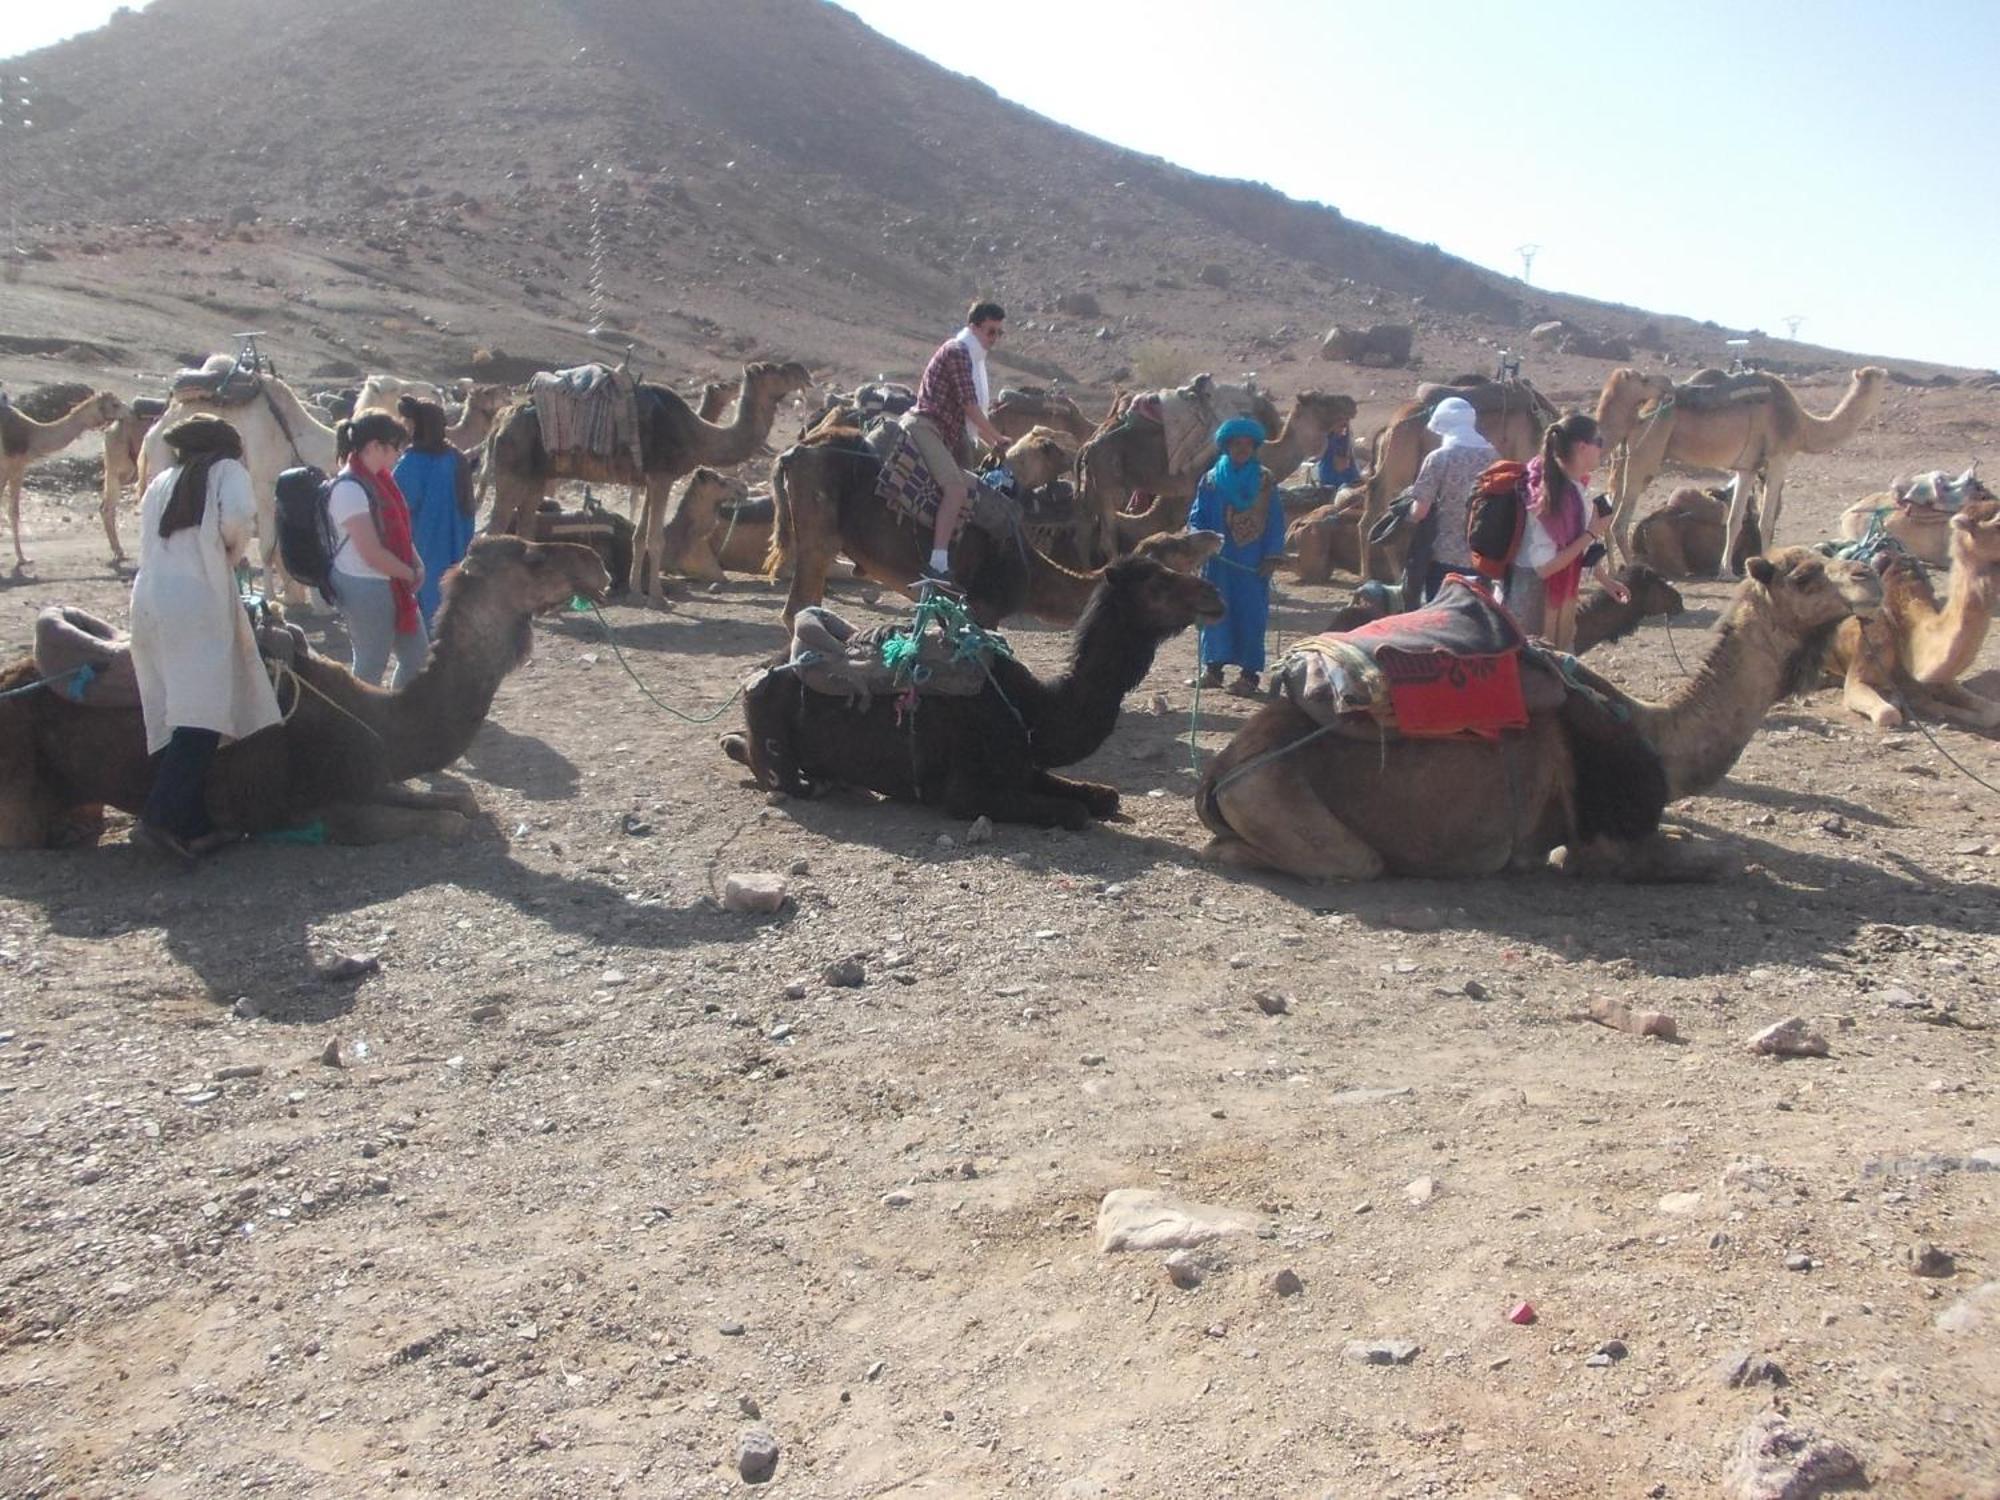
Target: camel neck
{"points": [[1702, 730], [1945, 646], [1076, 713], [437, 715]]}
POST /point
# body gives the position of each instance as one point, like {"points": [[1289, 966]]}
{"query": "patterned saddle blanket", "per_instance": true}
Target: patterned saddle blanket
{"points": [[1710, 390], [1191, 415], [1458, 666], [907, 487], [590, 409]]}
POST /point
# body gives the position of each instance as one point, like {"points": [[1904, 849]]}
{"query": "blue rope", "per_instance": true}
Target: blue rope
{"points": [[86, 671]]}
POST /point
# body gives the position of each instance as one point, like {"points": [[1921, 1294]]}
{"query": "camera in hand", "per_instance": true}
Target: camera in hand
{"points": [[1602, 504]]}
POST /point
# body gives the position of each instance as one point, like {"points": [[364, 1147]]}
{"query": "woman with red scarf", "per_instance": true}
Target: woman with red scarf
{"points": [[1562, 528], [376, 572]]}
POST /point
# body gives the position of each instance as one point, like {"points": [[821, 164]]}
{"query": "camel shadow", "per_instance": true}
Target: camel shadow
{"points": [[1789, 800], [692, 635], [522, 763]]}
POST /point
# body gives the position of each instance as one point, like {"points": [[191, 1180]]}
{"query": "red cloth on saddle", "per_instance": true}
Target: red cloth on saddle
{"points": [[1452, 667]]}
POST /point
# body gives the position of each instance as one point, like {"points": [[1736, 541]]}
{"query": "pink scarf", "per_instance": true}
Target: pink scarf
{"points": [[1564, 519], [392, 525]]}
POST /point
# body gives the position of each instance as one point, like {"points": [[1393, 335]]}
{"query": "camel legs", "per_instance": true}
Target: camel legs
{"points": [[107, 511], [514, 500], [967, 795], [1865, 696], [1101, 801], [14, 517], [811, 560], [1953, 704], [1279, 823], [649, 559], [1772, 501], [380, 823]]}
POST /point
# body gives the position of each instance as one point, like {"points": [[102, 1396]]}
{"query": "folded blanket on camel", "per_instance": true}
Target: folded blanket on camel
{"points": [[907, 488], [832, 657], [1457, 666], [1191, 415], [590, 409], [1938, 490]]}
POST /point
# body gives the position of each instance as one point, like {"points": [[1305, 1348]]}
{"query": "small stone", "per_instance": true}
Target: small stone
{"points": [[1183, 1270], [1287, 1284], [1474, 990], [246, 1009], [1901, 999], [1381, 1351], [875, 1370], [1679, 1203], [1798, 1260], [1092, 1059], [239, 1070], [798, 989], [1613, 1349], [1272, 1003], [1748, 1367], [846, 974], [981, 831], [1241, 960], [1146, 1219], [754, 893], [1522, 1313], [756, 1456], [748, 1406], [330, 1054], [946, 841], [351, 966], [1790, 1037], [1927, 1260], [898, 1198], [730, 1330], [1619, 1016], [1598, 1361], [1777, 1461], [1421, 1191], [1368, 1096]]}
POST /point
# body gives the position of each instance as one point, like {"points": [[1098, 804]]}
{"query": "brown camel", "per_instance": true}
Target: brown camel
{"points": [[1923, 531], [673, 442], [1747, 424], [483, 405], [1916, 651], [1132, 455], [1599, 617], [1343, 806], [1683, 538], [346, 745], [1325, 533], [1018, 409], [991, 753], [1510, 414], [123, 440], [716, 396], [725, 533], [24, 441]]}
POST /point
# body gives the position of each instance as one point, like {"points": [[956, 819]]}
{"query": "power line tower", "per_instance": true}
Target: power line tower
{"points": [[17, 118], [1527, 254], [1791, 322]]}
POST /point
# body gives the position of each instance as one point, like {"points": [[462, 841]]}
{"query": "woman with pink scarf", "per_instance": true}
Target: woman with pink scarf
{"points": [[1562, 528]]}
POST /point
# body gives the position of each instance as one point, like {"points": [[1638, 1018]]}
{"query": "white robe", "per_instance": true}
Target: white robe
{"points": [[192, 646]]}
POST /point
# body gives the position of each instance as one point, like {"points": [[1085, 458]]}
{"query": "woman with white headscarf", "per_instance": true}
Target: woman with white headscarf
{"points": [[1444, 486]]}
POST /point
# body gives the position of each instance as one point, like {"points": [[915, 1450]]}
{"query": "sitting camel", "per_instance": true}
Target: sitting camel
{"points": [[24, 441], [673, 441], [991, 753], [1750, 424], [1599, 617], [1130, 454], [1510, 414], [1683, 538], [1019, 409], [343, 750], [1923, 531], [1349, 805], [1325, 532], [1915, 651]]}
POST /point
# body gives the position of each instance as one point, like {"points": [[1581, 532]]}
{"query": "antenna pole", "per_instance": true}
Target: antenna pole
{"points": [[1792, 321], [1527, 254]]}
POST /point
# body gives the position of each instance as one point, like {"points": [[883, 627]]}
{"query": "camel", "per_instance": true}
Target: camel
{"points": [[122, 441], [382, 392], [1683, 538], [673, 442], [1923, 531], [279, 433], [24, 441], [1511, 415], [1131, 454], [345, 747], [1745, 424], [715, 398], [483, 405], [1355, 806], [1018, 408], [1914, 650], [726, 532], [990, 754], [1323, 536]]}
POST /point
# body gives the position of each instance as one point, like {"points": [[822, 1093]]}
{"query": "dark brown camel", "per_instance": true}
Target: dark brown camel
{"points": [[673, 441], [990, 753], [1599, 617], [340, 760]]}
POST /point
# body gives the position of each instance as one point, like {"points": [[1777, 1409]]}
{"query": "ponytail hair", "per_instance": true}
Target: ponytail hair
{"points": [[356, 433], [1559, 442]]}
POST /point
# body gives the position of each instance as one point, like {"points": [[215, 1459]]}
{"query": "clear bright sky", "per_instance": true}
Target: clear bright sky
{"points": [[1739, 160]]}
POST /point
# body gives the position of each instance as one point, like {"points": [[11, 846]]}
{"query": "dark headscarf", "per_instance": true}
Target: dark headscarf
{"points": [[426, 419], [198, 442]]}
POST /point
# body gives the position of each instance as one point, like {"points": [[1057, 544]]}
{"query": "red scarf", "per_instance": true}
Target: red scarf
{"points": [[392, 526], [1564, 519]]}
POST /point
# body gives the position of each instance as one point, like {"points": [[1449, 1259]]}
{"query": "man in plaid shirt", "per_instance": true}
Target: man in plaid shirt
{"points": [[951, 409]]}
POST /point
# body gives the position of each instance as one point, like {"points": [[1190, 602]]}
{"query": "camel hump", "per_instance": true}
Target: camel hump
{"points": [[1711, 389]]}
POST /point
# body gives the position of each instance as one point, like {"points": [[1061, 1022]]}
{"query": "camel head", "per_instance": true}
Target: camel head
{"points": [[1798, 592], [1183, 551], [1330, 412], [1153, 599], [106, 408], [527, 577], [708, 488], [1626, 393], [1975, 531], [766, 384], [1037, 458], [486, 400], [1871, 384], [1651, 594]]}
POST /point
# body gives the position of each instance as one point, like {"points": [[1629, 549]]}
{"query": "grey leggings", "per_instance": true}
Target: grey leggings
{"points": [[369, 607]]}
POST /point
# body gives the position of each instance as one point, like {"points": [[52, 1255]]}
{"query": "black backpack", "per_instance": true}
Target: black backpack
{"points": [[307, 542], [1496, 517]]}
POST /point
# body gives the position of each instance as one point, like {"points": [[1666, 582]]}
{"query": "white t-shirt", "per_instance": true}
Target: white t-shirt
{"points": [[346, 500]]}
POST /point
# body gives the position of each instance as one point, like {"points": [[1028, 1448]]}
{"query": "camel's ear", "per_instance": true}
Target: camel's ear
{"points": [[1762, 569]]}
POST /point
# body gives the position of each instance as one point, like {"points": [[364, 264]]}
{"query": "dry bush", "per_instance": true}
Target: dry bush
{"points": [[1158, 365]]}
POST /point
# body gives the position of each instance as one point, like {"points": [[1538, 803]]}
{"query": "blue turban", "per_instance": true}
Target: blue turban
{"points": [[1239, 427]]}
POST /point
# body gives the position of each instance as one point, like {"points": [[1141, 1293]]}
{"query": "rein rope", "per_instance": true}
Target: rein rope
{"points": [[653, 697]]}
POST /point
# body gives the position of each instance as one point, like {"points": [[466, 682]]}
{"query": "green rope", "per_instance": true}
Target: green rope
{"points": [[650, 694]]}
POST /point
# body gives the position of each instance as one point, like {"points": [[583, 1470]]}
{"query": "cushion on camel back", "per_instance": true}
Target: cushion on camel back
{"points": [[85, 659]]}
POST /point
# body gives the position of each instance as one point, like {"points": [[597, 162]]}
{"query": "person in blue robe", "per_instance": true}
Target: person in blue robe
{"points": [[1237, 499], [437, 482], [1337, 467]]}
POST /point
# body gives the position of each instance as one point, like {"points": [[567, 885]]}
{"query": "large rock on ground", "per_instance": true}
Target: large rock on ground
{"points": [[1777, 1461], [1146, 1219]]}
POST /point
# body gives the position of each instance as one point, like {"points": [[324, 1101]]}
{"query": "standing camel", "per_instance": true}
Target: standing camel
{"points": [[1017, 409], [24, 441], [1510, 414], [1745, 424], [278, 433], [122, 441], [483, 405], [673, 441]]}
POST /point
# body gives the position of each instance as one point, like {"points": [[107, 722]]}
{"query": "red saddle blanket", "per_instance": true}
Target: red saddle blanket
{"points": [[1452, 667]]}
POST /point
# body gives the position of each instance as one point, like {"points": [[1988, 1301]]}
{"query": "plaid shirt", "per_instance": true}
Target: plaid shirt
{"points": [[947, 393]]}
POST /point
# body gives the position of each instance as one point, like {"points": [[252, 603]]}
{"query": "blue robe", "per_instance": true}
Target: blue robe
{"points": [[1336, 467], [1238, 638], [442, 532]]}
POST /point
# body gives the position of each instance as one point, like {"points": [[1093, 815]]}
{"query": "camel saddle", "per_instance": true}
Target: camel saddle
{"points": [[1456, 667], [1939, 491], [830, 656], [1712, 390], [1192, 413], [220, 379], [89, 661], [906, 487], [591, 409], [1490, 397]]}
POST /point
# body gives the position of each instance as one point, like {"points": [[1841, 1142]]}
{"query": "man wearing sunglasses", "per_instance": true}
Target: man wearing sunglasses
{"points": [[951, 412]]}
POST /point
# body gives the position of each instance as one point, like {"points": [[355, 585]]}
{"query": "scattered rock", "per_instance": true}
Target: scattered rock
{"points": [[1522, 1313], [1798, 1260], [898, 1198], [330, 1054], [1680, 1203], [1474, 990], [1777, 1461], [1272, 1003], [1421, 1191], [1146, 1219], [756, 1456], [846, 974], [1183, 1270], [1287, 1284], [1933, 1163], [238, 1070], [1415, 919], [1368, 1096], [753, 893], [1790, 1037], [981, 831], [730, 1330], [1748, 1367], [1927, 1260], [1975, 1312], [1381, 1351], [350, 966], [1619, 1016], [1613, 1349]]}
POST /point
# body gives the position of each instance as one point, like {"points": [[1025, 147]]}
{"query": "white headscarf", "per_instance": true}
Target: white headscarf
{"points": [[1454, 420], [977, 350]]}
